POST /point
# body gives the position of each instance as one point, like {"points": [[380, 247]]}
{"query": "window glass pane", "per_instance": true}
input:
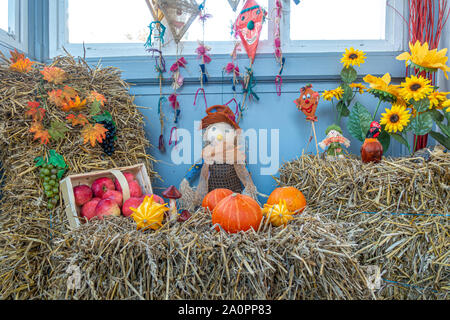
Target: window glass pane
{"points": [[219, 26], [4, 14], [338, 20], [106, 21]]}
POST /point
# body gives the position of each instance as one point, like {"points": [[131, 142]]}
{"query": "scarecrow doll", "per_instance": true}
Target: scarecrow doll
{"points": [[223, 159], [334, 142]]}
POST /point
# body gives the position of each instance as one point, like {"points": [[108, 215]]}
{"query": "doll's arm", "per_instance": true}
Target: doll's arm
{"points": [[246, 179], [202, 187]]}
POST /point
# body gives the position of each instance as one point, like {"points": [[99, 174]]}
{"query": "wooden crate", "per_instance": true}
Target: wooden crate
{"points": [[67, 185]]}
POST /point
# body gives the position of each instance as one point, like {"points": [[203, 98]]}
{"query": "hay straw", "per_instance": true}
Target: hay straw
{"points": [[397, 212], [27, 227], [308, 260]]}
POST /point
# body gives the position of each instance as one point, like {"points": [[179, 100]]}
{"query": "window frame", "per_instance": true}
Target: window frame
{"points": [[58, 38], [18, 11]]}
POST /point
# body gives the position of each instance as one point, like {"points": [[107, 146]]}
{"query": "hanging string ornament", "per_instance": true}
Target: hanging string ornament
{"points": [[234, 4], [232, 68], [277, 44], [248, 27], [157, 32]]}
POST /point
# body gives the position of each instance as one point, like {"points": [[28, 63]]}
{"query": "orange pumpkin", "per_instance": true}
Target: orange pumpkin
{"points": [[295, 200], [237, 213], [214, 197]]}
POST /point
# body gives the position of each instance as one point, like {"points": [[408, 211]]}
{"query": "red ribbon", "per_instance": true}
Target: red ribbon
{"points": [[173, 101], [232, 68], [181, 63], [278, 83], [202, 52], [176, 136], [204, 96], [237, 106]]}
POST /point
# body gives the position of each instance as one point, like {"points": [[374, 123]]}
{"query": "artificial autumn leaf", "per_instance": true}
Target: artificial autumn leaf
{"points": [[34, 111], [77, 120], [95, 108], [60, 97], [22, 65], [92, 133], [16, 55], [39, 133], [57, 130], [95, 96], [74, 105], [54, 75]]}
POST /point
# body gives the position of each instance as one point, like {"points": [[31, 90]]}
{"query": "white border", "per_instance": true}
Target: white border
{"points": [[20, 39], [58, 37]]}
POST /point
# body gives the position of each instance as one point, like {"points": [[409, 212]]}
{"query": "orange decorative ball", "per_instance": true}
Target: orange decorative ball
{"points": [[211, 200], [237, 213], [295, 200]]}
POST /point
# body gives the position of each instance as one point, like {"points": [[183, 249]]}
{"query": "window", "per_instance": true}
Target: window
{"points": [[120, 28], [13, 24]]}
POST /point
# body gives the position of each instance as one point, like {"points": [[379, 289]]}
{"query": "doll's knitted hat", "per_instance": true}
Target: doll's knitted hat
{"points": [[333, 127], [216, 114]]}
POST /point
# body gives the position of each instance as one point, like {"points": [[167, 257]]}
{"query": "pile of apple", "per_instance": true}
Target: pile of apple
{"points": [[105, 198]]}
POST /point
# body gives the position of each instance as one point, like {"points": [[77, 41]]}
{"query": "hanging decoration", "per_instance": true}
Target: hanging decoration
{"points": [[157, 32], [277, 44], [232, 68], [234, 4], [248, 27], [307, 103], [180, 14]]}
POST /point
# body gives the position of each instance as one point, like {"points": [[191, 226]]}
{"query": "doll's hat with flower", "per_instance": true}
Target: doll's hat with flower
{"points": [[216, 114], [333, 127]]}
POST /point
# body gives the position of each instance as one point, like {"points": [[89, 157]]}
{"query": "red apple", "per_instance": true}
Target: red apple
{"points": [[107, 207], [88, 209], [133, 203], [101, 186], [135, 189], [114, 195], [128, 176], [83, 194], [155, 198]]}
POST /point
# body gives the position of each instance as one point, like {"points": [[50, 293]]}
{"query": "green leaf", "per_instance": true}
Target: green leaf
{"points": [[422, 124], [359, 122], [439, 137], [400, 139], [421, 105], [348, 93], [57, 130], [437, 116], [105, 116], [95, 108], [444, 128], [57, 160], [348, 75], [60, 173], [39, 161], [342, 109], [385, 140]]}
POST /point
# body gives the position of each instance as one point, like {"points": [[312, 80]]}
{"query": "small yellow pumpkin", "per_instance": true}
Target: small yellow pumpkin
{"points": [[150, 214], [278, 214]]}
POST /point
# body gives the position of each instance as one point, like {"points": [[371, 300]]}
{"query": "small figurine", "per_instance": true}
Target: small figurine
{"points": [[334, 142], [372, 150], [307, 103]]}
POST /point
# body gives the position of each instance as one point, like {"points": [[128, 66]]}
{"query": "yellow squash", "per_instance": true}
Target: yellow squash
{"points": [[150, 214], [278, 214]]}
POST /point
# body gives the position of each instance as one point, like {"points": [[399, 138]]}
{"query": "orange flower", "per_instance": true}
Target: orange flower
{"points": [[22, 65], [74, 105]]}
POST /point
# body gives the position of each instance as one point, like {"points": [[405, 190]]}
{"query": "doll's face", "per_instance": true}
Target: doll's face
{"points": [[333, 134], [308, 99], [250, 24], [219, 132]]}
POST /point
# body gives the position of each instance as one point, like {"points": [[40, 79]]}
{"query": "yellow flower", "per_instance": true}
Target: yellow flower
{"points": [[381, 87], [437, 99], [361, 88], [415, 88], [395, 119], [150, 214], [353, 57], [446, 104], [278, 214], [330, 94], [424, 59]]}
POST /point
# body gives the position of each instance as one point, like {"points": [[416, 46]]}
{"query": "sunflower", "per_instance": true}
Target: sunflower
{"points": [[361, 88], [381, 87], [424, 59], [415, 88], [437, 99], [330, 94], [353, 57], [446, 104], [395, 119]]}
